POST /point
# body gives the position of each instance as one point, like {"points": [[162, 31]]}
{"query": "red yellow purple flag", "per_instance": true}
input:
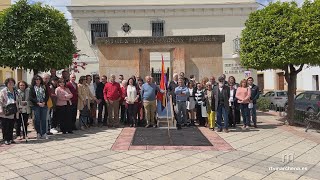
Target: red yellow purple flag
{"points": [[162, 97]]}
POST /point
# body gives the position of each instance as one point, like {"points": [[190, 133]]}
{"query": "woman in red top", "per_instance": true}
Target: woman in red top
{"points": [[243, 95], [123, 102]]}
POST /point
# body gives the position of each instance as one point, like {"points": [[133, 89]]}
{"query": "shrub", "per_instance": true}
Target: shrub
{"points": [[263, 104]]}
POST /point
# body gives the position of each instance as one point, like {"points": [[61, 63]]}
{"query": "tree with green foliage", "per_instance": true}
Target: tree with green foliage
{"points": [[35, 37], [283, 36]]}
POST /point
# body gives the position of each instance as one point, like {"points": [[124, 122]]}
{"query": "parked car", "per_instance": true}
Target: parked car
{"points": [[278, 98], [308, 101]]}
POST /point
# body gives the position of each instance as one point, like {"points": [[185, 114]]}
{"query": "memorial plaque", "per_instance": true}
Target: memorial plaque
{"points": [[161, 40]]}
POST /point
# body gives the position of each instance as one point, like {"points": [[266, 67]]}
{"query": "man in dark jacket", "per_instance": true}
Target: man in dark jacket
{"points": [[222, 96], [253, 99], [102, 102], [172, 86]]}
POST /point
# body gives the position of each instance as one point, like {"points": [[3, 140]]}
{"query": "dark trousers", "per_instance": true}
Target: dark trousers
{"points": [[102, 105], [74, 111], [132, 113], [234, 115], [54, 120], [7, 128], [93, 112], [140, 114], [19, 124], [222, 112], [245, 114], [200, 119], [64, 115], [123, 113]]}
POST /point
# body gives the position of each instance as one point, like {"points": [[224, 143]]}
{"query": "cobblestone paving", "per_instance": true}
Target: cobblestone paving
{"points": [[88, 155]]}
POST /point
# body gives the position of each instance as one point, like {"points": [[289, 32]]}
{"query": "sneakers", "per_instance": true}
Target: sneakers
{"points": [[155, 126], [38, 136], [45, 136], [147, 126], [7, 142], [53, 131], [226, 130]]}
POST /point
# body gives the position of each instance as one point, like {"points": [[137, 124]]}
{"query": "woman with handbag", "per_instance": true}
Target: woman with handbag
{"points": [[24, 107], [63, 107], [39, 97], [8, 110], [84, 98]]}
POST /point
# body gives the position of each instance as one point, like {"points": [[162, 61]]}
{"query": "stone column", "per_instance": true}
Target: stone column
{"points": [[179, 60], [144, 62]]}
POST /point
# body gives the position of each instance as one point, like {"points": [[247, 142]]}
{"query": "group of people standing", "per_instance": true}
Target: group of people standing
{"points": [[55, 102], [209, 102]]}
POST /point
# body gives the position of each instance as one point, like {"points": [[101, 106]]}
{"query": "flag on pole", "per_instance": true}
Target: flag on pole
{"points": [[162, 97]]}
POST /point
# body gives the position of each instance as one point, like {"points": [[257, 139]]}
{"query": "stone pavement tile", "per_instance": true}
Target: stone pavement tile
{"points": [[28, 170], [18, 178], [306, 178], [146, 175], [62, 156], [180, 175], [134, 153], [107, 153], [71, 161], [213, 174], [19, 165], [180, 164], [62, 170], [131, 169], [312, 174], [257, 156], [3, 169], [112, 175], [7, 156], [103, 160], [220, 160], [91, 156], [200, 178], [259, 169], [84, 165], [203, 156], [12, 161], [249, 160], [52, 153], [76, 175], [42, 161], [147, 164], [56, 178], [196, 170], [239, 164], [129, 178], [8, 175], [188, 153], [209, 165], [70, 149], [52, 165], [163, 169], [161, 160], [116, 164], [97, 170], [80, 153], [230, 156], [282, 175], [250, 175], [310, 158], [149, 155], [35, 156], [132, 160], [40, 175], [268, 164], [174, 156], [93, 178], [237, 178], [228, 169]]}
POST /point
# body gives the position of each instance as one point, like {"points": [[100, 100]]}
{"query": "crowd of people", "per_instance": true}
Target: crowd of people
{"points": [[56, 102]]}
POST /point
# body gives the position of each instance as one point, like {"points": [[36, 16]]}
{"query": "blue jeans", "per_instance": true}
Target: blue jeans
{"points": [[222, 111], [40, 114], [253, 114], [245, 114], [181, 112]]}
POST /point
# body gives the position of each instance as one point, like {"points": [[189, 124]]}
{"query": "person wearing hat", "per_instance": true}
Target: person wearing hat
{"points": [[221, 98]]}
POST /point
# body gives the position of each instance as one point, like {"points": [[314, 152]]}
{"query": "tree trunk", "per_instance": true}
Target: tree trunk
{"points": [[291, 78], [35, 72]]}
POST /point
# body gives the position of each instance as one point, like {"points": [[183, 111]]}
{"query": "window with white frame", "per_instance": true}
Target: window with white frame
{"points": [[157, 28], [98, 30]]}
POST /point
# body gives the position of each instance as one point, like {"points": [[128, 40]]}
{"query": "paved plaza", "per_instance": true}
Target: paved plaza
{"points": [[91, 154]]}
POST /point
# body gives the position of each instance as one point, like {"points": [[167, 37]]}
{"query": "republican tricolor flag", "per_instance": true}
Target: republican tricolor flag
{"points": [[162, 97]]}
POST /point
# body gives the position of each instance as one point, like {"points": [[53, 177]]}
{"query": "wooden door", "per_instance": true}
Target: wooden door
{"points": [[281, 81], [261, 82]]}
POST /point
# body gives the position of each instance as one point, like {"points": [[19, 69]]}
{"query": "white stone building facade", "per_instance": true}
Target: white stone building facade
{"points": [[177, 18]]}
